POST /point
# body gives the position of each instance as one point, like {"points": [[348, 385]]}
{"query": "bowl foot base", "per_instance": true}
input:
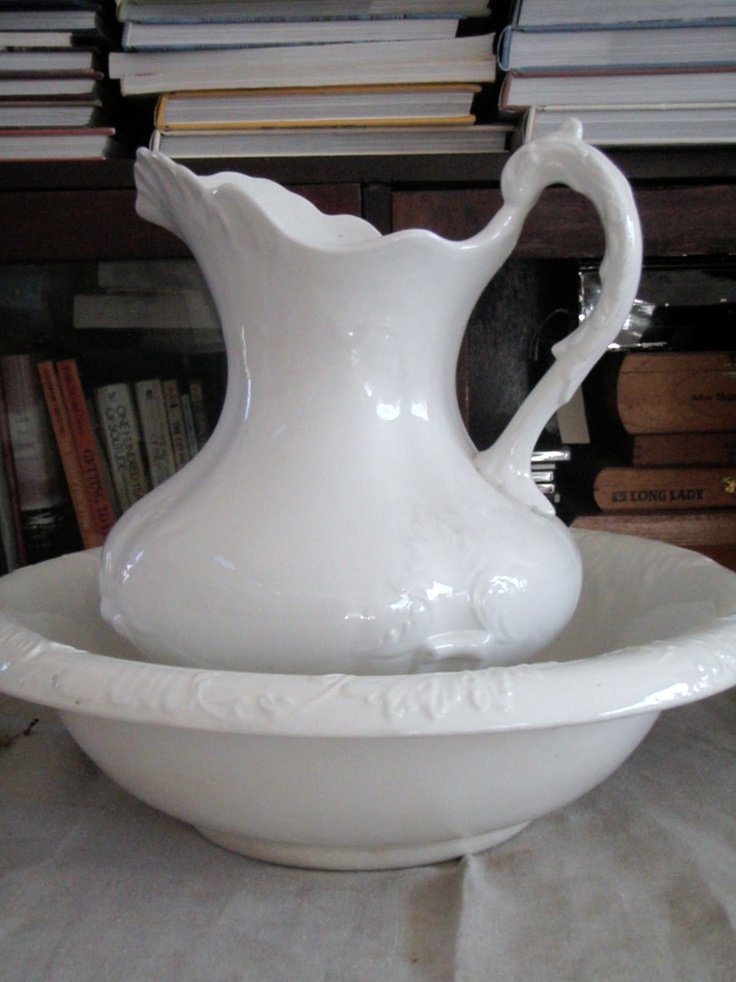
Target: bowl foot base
{"points": [[357, 857]]}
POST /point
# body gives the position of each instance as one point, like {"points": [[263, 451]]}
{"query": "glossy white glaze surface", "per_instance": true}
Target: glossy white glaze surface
{"points": [[339, 518], [342, 771]]}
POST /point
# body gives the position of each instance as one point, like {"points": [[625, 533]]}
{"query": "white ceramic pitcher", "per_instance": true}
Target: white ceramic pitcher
{"points": [[339, 519]]}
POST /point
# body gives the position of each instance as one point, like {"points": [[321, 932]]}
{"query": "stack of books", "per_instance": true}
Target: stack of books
{"points": [[54, 101], [659, 73], [309, 77], [167, 299], [76, 456], [680, 482], [663, 419], [91, 419]]}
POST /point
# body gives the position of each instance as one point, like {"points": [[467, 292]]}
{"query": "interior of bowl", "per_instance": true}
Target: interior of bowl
{"points": [[59, 600], [637, 591], [655, 626]]}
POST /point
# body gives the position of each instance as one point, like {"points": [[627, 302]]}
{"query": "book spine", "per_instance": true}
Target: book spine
{"points": [[710, 531], [46, 530], [657, 393], [103, 509], [34, 454], [176, 423], [149, 275], [664, 488], [68, 455], [189, 429], [683, 449], [151, 404], [181, 309], [102, 455], [8, 557], [12, 526], [199, 412], [122, 438]]}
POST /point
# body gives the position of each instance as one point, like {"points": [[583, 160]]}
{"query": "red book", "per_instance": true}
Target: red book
{"points": [[68, 453]]}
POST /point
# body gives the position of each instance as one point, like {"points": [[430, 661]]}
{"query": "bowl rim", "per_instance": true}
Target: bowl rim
{"points": [[535, 695]]}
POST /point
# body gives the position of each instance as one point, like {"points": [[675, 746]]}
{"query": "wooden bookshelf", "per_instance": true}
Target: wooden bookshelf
{"points": [[682, 218], [101, 223], [687, 200], [655, 165], [68, 212]]}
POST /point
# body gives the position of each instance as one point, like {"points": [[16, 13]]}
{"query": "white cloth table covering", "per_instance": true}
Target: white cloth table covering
{"points": [[636, 882]]}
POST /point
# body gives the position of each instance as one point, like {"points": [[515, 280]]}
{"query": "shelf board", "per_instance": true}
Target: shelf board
{"points": [[472, 169], [102, 223], [65, 175], [78, 210], [675, 221]]}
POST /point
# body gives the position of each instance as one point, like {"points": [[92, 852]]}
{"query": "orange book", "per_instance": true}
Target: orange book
{"points": [[68, 453]]}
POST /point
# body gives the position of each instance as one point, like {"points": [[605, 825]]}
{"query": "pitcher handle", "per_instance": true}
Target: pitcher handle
{"points": [[564, 158]]}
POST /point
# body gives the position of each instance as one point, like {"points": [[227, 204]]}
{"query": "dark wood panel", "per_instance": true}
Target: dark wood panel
{"points": [[72, 225], [61, 175], [695, 220], [334, 199], [103, 224], [559, 219], [639, 164], [691, 219]]}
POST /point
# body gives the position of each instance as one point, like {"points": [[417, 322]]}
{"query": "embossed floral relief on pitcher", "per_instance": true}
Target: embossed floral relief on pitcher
{"points": [[339, 519]]}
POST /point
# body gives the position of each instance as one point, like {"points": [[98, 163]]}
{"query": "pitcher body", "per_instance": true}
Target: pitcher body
{"points": [[339, 519]]}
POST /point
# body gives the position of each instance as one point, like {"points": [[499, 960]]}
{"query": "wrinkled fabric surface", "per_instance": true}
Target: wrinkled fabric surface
{"points": [[635, 881]]}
